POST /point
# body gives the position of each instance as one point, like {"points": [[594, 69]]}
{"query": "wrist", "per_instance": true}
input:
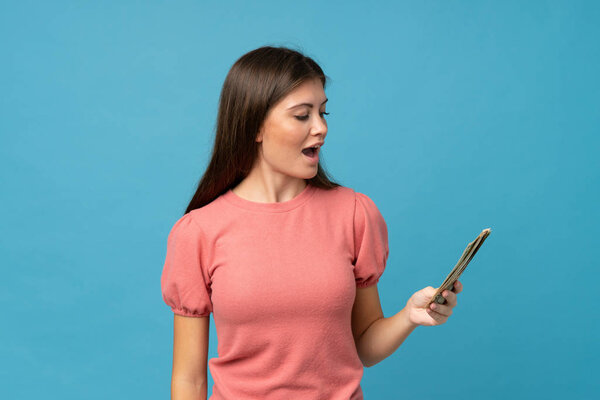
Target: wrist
{"points": [[406, 315]]}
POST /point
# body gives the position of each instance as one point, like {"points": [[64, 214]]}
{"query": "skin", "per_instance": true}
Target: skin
{"points": [[435, 314], [190, 357], [381, 336], [280, 169]]}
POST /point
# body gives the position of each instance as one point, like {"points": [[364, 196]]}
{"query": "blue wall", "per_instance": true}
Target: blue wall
{"points": [[452, 116]]}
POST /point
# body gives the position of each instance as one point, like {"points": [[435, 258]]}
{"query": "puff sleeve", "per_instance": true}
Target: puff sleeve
{"points": [[185, 283], [370, 241]]}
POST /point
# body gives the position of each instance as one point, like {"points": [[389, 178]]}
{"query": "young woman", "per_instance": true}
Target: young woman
{"points": [[286, 260]]}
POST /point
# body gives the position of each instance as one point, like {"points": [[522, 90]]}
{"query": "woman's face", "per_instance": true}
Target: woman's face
{"points": [[294, 123]]}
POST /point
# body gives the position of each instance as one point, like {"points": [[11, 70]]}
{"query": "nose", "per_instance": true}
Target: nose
{"points": [[320, 127]]}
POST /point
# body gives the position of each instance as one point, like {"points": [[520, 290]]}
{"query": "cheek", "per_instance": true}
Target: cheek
{"points": [[285, 144]]}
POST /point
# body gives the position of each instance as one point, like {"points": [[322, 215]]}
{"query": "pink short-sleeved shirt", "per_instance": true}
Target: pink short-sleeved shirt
{"points": [[280, 280]]}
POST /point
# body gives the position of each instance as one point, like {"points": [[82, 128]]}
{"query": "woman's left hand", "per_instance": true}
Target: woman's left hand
{"points": [[436, 314]]}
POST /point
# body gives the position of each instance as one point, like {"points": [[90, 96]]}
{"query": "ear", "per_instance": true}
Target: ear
{"points": [[259, 136]]}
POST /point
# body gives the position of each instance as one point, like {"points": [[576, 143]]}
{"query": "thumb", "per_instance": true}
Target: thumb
{"points": [[429, 290]]}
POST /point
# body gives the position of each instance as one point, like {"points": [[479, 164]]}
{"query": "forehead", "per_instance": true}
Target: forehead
{"points": [[308, 92]]}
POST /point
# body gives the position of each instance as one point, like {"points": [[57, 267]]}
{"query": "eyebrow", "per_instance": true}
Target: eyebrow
{"points": [[306, 104]]}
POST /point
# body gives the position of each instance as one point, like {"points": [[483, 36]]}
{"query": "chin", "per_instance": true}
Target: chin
{"points": [[307, 176], [310, 176]]}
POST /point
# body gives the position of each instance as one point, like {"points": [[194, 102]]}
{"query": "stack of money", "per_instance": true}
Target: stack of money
{"points": [[459, 267]]}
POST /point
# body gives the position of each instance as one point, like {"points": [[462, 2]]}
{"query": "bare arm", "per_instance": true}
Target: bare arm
{"points": [[190, 355], [383, 337], [377, 337]]}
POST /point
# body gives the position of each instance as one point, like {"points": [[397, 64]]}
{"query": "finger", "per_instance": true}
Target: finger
{"points": [[439, 318], [458, 287], [442, 312], [441, 309], [450, 297]]}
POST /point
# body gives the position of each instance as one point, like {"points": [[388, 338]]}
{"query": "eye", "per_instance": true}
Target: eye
{"points": [[305, 117]]}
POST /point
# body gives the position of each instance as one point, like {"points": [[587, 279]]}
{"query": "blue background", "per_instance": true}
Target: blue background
{"points": [[452, 116]]}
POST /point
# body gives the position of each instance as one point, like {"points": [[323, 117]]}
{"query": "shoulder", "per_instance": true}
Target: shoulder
{"points": [[366, 211], [348, 198], [358, 199], [185, 228], [203, 219], [364, 201], [339, 195]]}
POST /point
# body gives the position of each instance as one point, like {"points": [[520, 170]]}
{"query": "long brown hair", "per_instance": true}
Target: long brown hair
{"points": [[255, 82]]}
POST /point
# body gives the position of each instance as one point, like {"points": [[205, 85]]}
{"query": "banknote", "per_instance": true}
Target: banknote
{"points": [[460, 266]]}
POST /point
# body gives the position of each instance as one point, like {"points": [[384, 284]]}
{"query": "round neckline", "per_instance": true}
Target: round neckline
{"points": [[282, 206]]}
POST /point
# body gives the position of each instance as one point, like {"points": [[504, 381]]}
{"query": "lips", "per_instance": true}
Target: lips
{"points": [[316, 144], [313, 147]]}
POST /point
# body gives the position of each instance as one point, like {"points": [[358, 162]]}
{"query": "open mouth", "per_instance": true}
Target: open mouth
{"points": [[312, 153]]}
